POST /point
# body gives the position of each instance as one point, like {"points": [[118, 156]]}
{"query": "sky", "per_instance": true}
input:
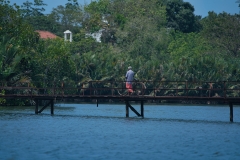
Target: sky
{"points": [[202, 7]]}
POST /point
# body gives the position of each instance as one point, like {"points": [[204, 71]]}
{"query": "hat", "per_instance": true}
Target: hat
{"points": [[129, 67]]}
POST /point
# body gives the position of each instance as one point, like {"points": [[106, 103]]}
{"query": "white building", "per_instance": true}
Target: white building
{"points": [[67, 34]]}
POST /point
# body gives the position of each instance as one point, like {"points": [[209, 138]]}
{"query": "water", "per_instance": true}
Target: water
{"points": [[85, 131]]}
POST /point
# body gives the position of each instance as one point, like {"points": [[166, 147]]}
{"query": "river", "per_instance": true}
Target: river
{"points": [[85, 132]]}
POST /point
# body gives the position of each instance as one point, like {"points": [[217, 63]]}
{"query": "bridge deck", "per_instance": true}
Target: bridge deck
{"points": [[227, 92], [126, 97], [143, 90]]}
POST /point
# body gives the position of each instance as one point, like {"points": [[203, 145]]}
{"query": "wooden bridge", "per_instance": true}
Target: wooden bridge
{"points": [[159, 91]]}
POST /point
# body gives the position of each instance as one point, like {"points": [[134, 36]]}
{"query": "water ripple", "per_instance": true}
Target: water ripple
{"points": [[88, 132]]}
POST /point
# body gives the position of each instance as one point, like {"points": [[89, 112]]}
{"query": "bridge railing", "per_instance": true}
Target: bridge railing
{"points": [[118, 88]]}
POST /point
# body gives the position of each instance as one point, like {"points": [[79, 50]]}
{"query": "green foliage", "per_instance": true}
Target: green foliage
{"points": [[2, 100], [54, 63], [96, 11], [223, 30], [120, 20], [193, 58], [142, 34], [160, 39], [180, 16], [29, 9], [100, 7], [68, 17], [82, 43], [17, 44], [32, 13], [187, 45]]}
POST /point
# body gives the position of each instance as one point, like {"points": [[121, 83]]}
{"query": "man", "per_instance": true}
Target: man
{"points": [[129, 79]]}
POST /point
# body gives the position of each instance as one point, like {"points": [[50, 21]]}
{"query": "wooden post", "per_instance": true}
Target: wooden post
{"points": [[154, 88], [112, 87], [62, 89], [127, 110], [52, 109], [231, 111], [186, 88], [82, 89], [90, 86], [224, 89], [177, 89], [142, 109], [36, 107], [122, 86]]}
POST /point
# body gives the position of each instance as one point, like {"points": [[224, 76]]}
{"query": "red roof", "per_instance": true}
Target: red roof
{"points": [[46, 34]]}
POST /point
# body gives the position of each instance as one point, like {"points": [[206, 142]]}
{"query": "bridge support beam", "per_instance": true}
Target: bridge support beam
{"points": [[127, 110], [36, 107], [142, 109], [52, 108], [51, 103], [128, 105], [231, 111]]}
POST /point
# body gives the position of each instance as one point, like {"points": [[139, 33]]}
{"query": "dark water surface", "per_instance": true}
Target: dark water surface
{"points": [[85, 131]]}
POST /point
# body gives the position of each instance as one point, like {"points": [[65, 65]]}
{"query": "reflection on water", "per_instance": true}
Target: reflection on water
{"points": [[85, 131]]}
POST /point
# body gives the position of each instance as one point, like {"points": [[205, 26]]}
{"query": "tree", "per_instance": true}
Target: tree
{"points": [[69, 17], [54, 62], [29, 9], [32, 13], [180, 16], [82, 44], [18, 42], [193, 58], [144, 33], [96, 15], [223, 31], [136, 30]]}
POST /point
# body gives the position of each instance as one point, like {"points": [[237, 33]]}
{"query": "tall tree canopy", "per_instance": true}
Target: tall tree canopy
{"points": [[17, 43], [181, 17], [223, 30], [69, 17], [32, 13]]}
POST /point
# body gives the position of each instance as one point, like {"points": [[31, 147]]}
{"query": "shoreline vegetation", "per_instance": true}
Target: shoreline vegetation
{"points": [[163, 40]]}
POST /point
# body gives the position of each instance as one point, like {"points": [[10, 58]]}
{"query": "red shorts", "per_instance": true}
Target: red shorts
{"points": [[129, 87]]}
